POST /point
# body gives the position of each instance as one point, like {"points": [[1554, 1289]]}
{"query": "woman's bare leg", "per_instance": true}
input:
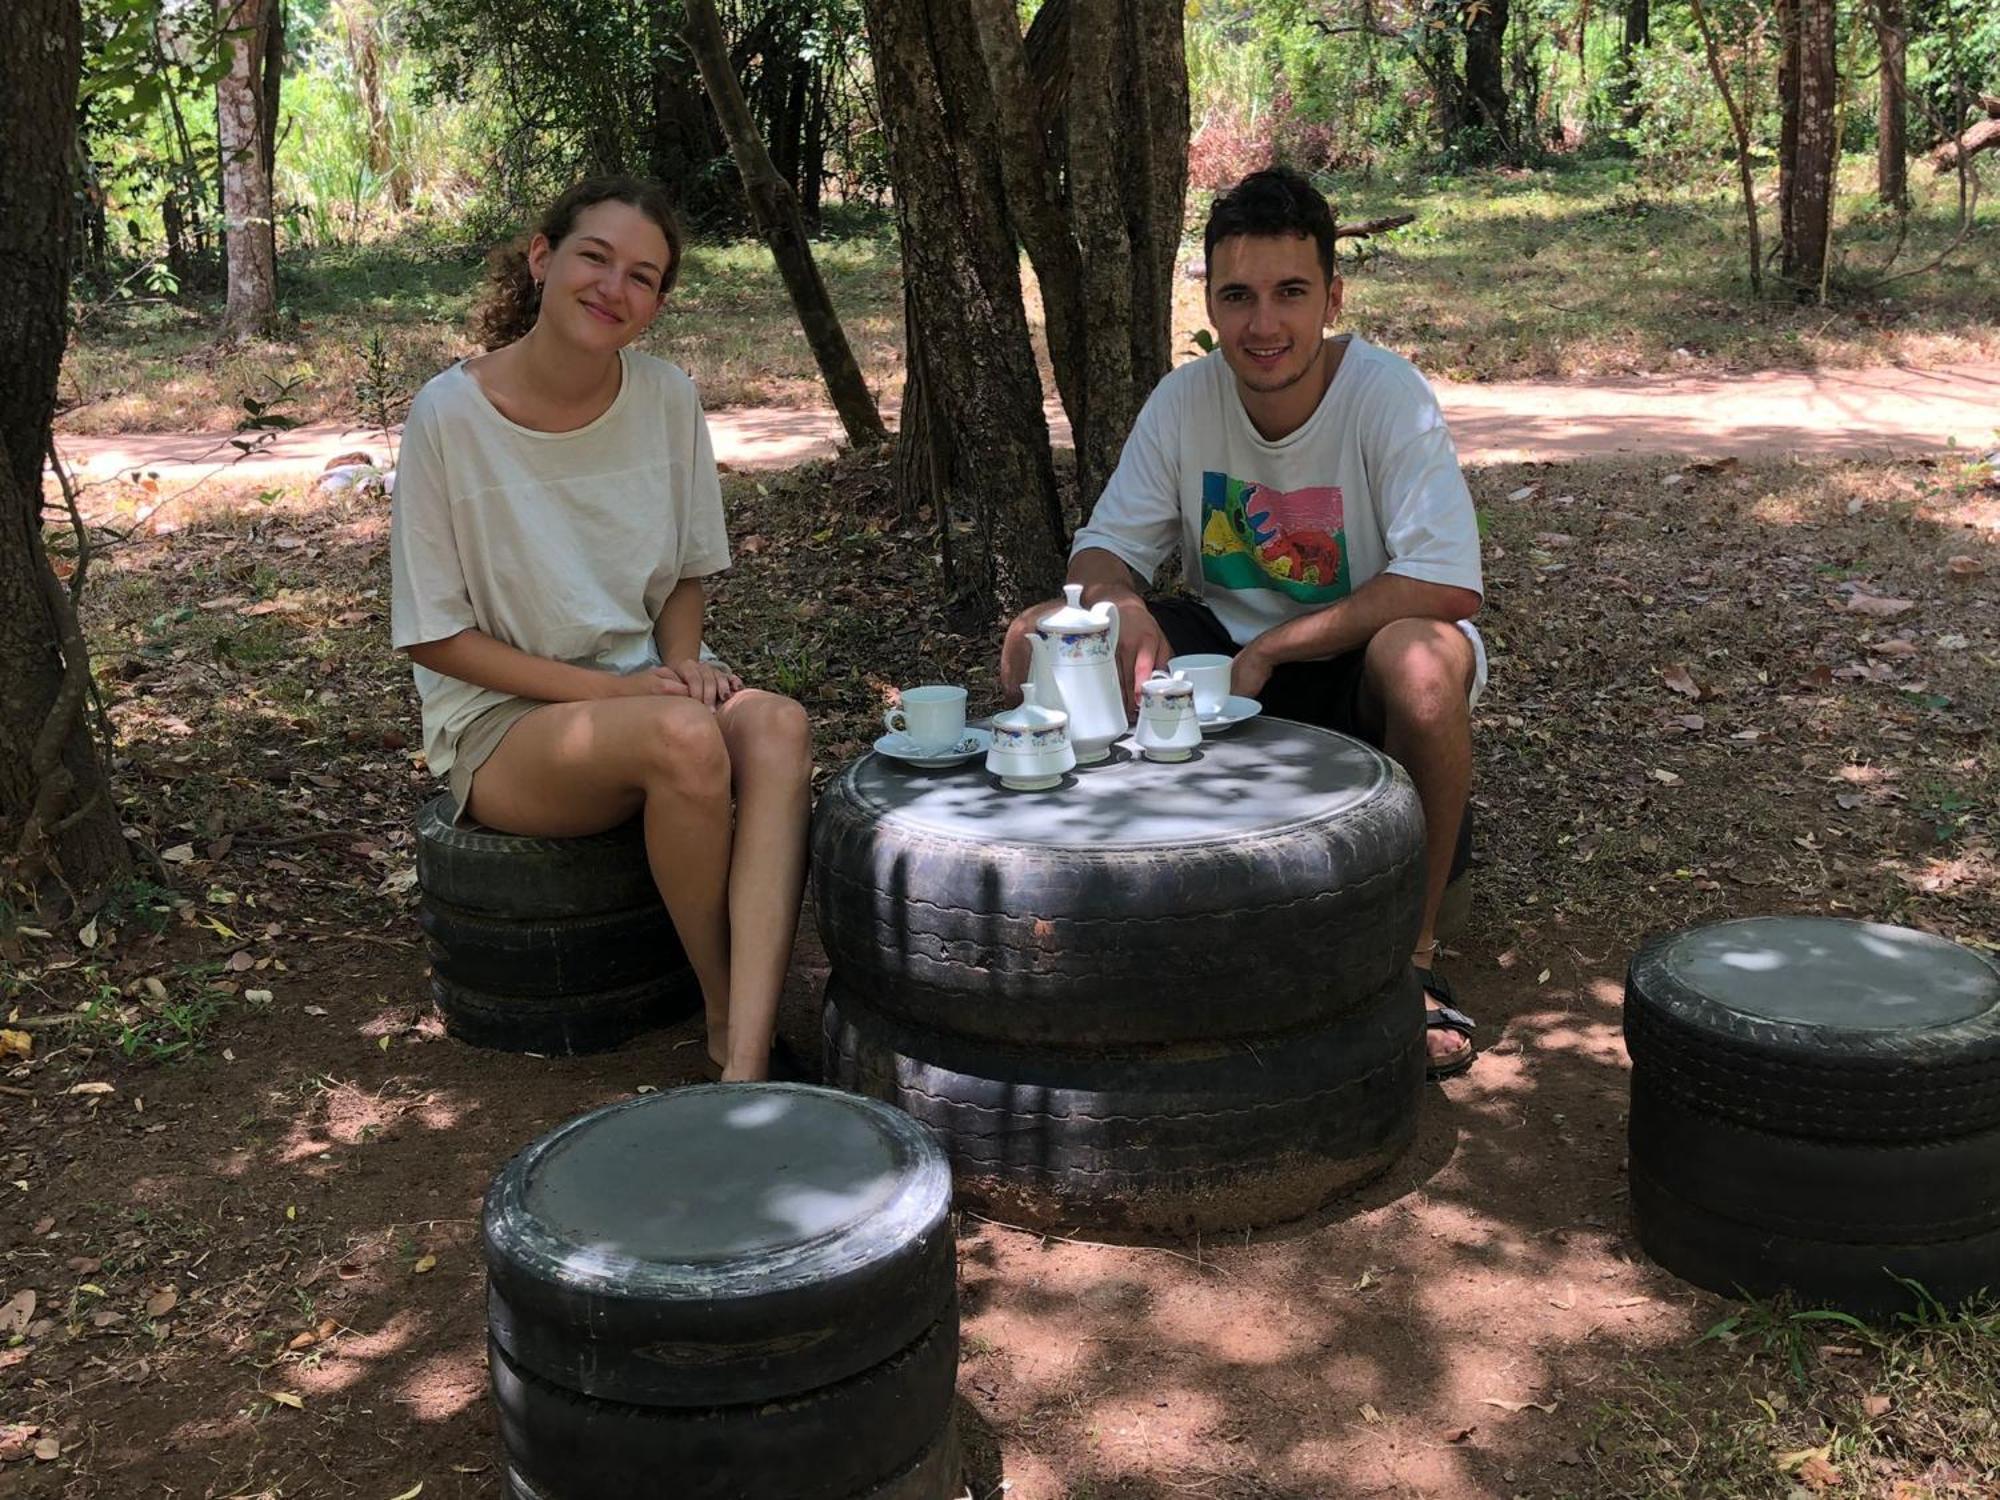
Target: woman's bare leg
{"points": [[569, 769], [770, 761]]}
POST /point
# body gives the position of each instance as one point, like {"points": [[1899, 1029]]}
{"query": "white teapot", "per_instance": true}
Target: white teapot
{"points": [[1076, 666]]}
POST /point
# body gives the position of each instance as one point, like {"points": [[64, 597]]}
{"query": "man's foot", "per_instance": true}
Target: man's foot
{"points": [[1447, 1030]]}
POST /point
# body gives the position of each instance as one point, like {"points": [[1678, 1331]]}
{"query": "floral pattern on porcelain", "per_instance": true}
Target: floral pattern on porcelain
{"points": [[1015, 740], [1081, 646]]}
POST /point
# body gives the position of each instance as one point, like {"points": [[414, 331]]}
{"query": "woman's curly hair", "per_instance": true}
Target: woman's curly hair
{"points": [[512, 300]]}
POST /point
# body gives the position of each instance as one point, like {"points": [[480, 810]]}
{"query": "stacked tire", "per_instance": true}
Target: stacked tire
{"points": [[1206, 1024], [1816, 1109], [736, 1292], [546, 945]]}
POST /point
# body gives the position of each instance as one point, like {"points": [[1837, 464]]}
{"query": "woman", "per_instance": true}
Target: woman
{"points": [[556, 509]]}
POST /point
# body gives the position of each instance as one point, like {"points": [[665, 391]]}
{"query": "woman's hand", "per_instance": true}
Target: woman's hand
{"points": [[705, 682], [647, 682]]}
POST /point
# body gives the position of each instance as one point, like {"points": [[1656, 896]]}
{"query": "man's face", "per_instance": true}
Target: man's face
{"points": [[601, 285], [1269, 303]]}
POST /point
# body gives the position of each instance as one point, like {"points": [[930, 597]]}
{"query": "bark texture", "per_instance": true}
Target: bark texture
{"points": [[1892, 149], [246, 134], [1807, 187], [775, 208], [49, 768], [969, 336]]}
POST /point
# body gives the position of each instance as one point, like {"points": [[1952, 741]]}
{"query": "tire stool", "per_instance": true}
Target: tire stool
{"points": [[1816, 1109], [732, 1292], [546, 945]]}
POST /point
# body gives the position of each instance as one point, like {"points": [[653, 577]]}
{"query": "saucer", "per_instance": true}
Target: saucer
{"points": [[1232, 713], [898, 747]]}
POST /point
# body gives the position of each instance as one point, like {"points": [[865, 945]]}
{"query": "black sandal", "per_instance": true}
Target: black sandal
{"points": [[1446, 1016]]}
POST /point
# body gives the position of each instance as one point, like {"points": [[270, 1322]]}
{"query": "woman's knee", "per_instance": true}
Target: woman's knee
{"points": [[768, 732], [683, 747]]}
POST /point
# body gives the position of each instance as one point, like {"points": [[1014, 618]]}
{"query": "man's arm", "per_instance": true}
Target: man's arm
{"points": [[1343, 626]]}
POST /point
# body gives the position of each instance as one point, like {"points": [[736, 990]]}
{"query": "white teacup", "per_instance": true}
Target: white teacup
{"points": [[1209, 675], [931, 717]]}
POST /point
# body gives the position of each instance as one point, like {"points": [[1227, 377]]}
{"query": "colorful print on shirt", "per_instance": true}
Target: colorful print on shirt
{"points": [[1255, 537]]}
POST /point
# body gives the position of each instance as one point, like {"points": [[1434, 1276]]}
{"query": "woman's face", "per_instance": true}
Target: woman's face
{"points": [[601, 285]]}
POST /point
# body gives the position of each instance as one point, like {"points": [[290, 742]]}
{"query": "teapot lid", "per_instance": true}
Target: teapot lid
{"points": [[1030, 714], [1074, 618], [1163, 685]]}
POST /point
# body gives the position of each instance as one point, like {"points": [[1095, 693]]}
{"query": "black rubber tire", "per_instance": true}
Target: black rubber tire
{"points": [[838, 1441], [564, 1025], [721, 1333], [1219, 1135], [1121, 945], [1842, 1191], [572, 955], [1911, 1084], [506, 875], [1736, 1259]]}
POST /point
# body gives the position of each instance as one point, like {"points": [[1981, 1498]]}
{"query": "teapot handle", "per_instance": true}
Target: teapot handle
{"points": [[1114, 630]]}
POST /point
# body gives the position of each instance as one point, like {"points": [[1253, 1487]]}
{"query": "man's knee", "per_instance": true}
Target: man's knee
{"points": [[1421, 672]]}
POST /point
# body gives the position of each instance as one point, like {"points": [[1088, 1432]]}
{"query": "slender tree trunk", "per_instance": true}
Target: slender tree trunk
{"points": [[1892, 147], [776, 209], [1485, 80], [1741, 128], [1788, 120], [962, 266], [241, 117], [1637, 37], [56, 813], [1808, 219]]}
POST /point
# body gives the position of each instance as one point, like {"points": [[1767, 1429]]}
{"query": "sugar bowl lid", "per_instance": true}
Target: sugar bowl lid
{"points": [[1163, 687], [1072, 618], [1030, 714]]}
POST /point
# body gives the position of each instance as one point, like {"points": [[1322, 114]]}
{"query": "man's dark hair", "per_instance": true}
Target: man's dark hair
{"points": [[1277, 201]]}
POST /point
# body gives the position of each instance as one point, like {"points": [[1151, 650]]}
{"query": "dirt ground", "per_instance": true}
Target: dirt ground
{"points": [[250, 1268]]}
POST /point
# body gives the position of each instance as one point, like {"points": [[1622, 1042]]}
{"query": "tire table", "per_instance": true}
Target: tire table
{"points": [[1158, 997], [1816, 1109]]}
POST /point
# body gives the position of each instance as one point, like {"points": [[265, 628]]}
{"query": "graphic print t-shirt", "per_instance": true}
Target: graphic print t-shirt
{"points": [[1271, 530]]}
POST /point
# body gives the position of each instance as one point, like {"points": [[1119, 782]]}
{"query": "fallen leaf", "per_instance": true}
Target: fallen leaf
{"points": [[90, 1088], [16, 1044], [1964, 567], [258, 997], [106, 1317], [12, 1357], [1877, 605], [315, 1010], [180, 854], [87, 934], [1526, 492], [240, 960], [1520, 1406], [1893, 646], [1816, 1474], [1681, 681], [411, 1493], [286, 1398], [42, 1226], [1689, 722], [15, 1438], [162, 1302], [1665, 778], [1369, 1414], [18, 1312], [424, 1263], [1459, 1434], [1876, 1406], [47, 1450]]}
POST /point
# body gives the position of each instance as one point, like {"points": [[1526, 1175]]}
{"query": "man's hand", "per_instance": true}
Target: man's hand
{"points": [[1142, 646], [1248, 672]]}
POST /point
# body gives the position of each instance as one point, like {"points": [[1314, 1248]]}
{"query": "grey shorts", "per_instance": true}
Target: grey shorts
{"points": [[476, 742]]}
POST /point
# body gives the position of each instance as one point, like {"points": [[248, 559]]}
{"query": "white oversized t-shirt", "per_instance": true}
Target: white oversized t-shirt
{"points": [[1268, 530], [562, 544]]}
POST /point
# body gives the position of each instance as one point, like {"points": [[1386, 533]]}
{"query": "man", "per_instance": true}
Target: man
{"points": [[1315, 496]]}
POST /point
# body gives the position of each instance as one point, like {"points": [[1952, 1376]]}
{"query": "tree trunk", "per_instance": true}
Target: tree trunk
{"points": [[1101, 220], [1892, 148], [1982, 137], [962, 267], [1788, 119], [56, 813], [242, 116], [1485, 82], [776, 210], [1809, 191], [1637, 37]]}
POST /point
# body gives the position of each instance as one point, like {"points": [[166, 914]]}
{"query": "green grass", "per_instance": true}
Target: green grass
{"points": [[1809, 1401], [1584, 269]]}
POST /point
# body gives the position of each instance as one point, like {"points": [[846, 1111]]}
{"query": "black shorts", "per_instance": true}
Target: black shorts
{"points": [[1326, 693]]}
